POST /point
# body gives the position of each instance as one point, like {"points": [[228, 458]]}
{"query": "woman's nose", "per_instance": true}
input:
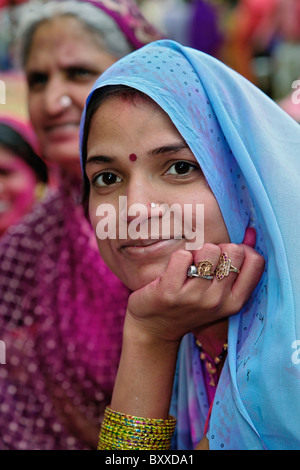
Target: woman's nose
{"points": [[56, 98], [140, 200]]}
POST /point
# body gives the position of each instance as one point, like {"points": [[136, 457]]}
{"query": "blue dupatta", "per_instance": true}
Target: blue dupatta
{"points": [[249, 151]]}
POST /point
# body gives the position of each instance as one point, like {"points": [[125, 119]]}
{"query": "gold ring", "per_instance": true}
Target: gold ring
{"points": [[225, 267], [205, 269]]}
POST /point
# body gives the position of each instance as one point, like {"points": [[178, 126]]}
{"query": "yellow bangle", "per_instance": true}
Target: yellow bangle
{"points": [[125, 432]]}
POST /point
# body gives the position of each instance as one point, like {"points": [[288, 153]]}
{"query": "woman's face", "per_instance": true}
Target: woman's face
{"points": [[64, 60], [17, 188], [135, 154]]}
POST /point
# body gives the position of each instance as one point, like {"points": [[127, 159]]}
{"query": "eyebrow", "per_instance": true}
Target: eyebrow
{"points": [[171, 148], [163, 150], [99, 159]]}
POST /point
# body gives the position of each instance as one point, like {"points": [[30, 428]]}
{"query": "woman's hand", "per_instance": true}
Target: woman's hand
{"points": [[159, 314], [174, 304]]}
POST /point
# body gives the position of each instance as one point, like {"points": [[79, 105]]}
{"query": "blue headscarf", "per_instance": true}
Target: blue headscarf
{"points": [[249, 151]]}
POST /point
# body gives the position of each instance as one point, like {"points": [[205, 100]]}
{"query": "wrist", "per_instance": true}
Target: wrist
{"points": [[141, 334], [145, 376]]}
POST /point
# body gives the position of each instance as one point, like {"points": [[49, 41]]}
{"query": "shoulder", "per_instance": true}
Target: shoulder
{"points": [[25, 242], [35, 225]]}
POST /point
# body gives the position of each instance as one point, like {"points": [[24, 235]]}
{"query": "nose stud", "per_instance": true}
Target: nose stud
{"points": [[65, 101]]}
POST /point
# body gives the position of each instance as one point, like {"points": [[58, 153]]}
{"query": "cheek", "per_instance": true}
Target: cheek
{"points": [[214, 226], [34, 110], [79, 94]]}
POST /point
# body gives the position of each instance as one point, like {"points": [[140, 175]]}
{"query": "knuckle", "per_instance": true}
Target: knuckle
{"points": [[237, 252], [182, 256], [232, 249], [258, 261]]}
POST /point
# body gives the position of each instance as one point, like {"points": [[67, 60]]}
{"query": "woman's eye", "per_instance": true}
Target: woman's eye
{"points": [[181, 168], [79, 73], [106, 179], [36, 80]]}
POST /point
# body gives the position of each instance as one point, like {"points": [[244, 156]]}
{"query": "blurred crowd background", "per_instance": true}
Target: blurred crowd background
{"points": [[258, 38]]}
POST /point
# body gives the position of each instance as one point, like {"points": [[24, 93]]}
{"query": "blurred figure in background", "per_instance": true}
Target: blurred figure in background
{"points": [[23, 175], [286, 53], [205, 27], [62, 328], [251, 31], [194, 23], [263, 43]]}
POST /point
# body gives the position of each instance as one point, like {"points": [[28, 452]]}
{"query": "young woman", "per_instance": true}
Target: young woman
{"points": [[166, 125], [62, 328], [23, 175]]}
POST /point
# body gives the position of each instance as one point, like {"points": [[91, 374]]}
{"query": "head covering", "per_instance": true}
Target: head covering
{"points": [[119, 24], [18, 135], [22, 127], [248, 149], [130, 20]]}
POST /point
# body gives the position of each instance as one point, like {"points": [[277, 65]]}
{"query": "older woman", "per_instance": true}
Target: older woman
{"points": [[61, 326]]}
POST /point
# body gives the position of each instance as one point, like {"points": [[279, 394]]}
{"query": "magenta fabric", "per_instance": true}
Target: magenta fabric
{"points": [[130, 20], [61, 319], [61, 311]]}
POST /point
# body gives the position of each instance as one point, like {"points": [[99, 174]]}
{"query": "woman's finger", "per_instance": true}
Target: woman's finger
{"points": [[250, 237], [250, 274], [175, 275]]}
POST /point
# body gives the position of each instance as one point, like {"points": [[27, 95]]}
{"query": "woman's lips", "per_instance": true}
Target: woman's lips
{"points": [[140, 248], [61, 131]]}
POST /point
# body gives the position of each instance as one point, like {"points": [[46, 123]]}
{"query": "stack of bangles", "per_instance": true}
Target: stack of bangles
{"points": [[125, 432]]}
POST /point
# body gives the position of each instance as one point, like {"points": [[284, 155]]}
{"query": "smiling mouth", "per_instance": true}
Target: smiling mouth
{"points": [[62, 126], [144, 247]]}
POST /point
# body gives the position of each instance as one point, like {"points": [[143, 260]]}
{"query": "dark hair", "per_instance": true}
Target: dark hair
{"points": [[98, 97], [13, 141]]}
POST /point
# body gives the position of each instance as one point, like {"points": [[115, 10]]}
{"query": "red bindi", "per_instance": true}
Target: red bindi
{"points": [[132, 157]]}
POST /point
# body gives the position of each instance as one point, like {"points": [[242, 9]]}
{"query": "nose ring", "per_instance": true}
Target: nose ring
{"points": [[65, 101]]}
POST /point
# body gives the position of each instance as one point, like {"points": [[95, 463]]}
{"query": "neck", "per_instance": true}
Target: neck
{"points": [[213, 337]]}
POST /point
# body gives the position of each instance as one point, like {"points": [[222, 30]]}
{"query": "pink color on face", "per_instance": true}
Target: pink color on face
{"points": [[132, 157], [17, 188]]}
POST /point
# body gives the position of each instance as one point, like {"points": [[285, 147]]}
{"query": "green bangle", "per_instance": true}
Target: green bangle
{"points": [[125, 432]]}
